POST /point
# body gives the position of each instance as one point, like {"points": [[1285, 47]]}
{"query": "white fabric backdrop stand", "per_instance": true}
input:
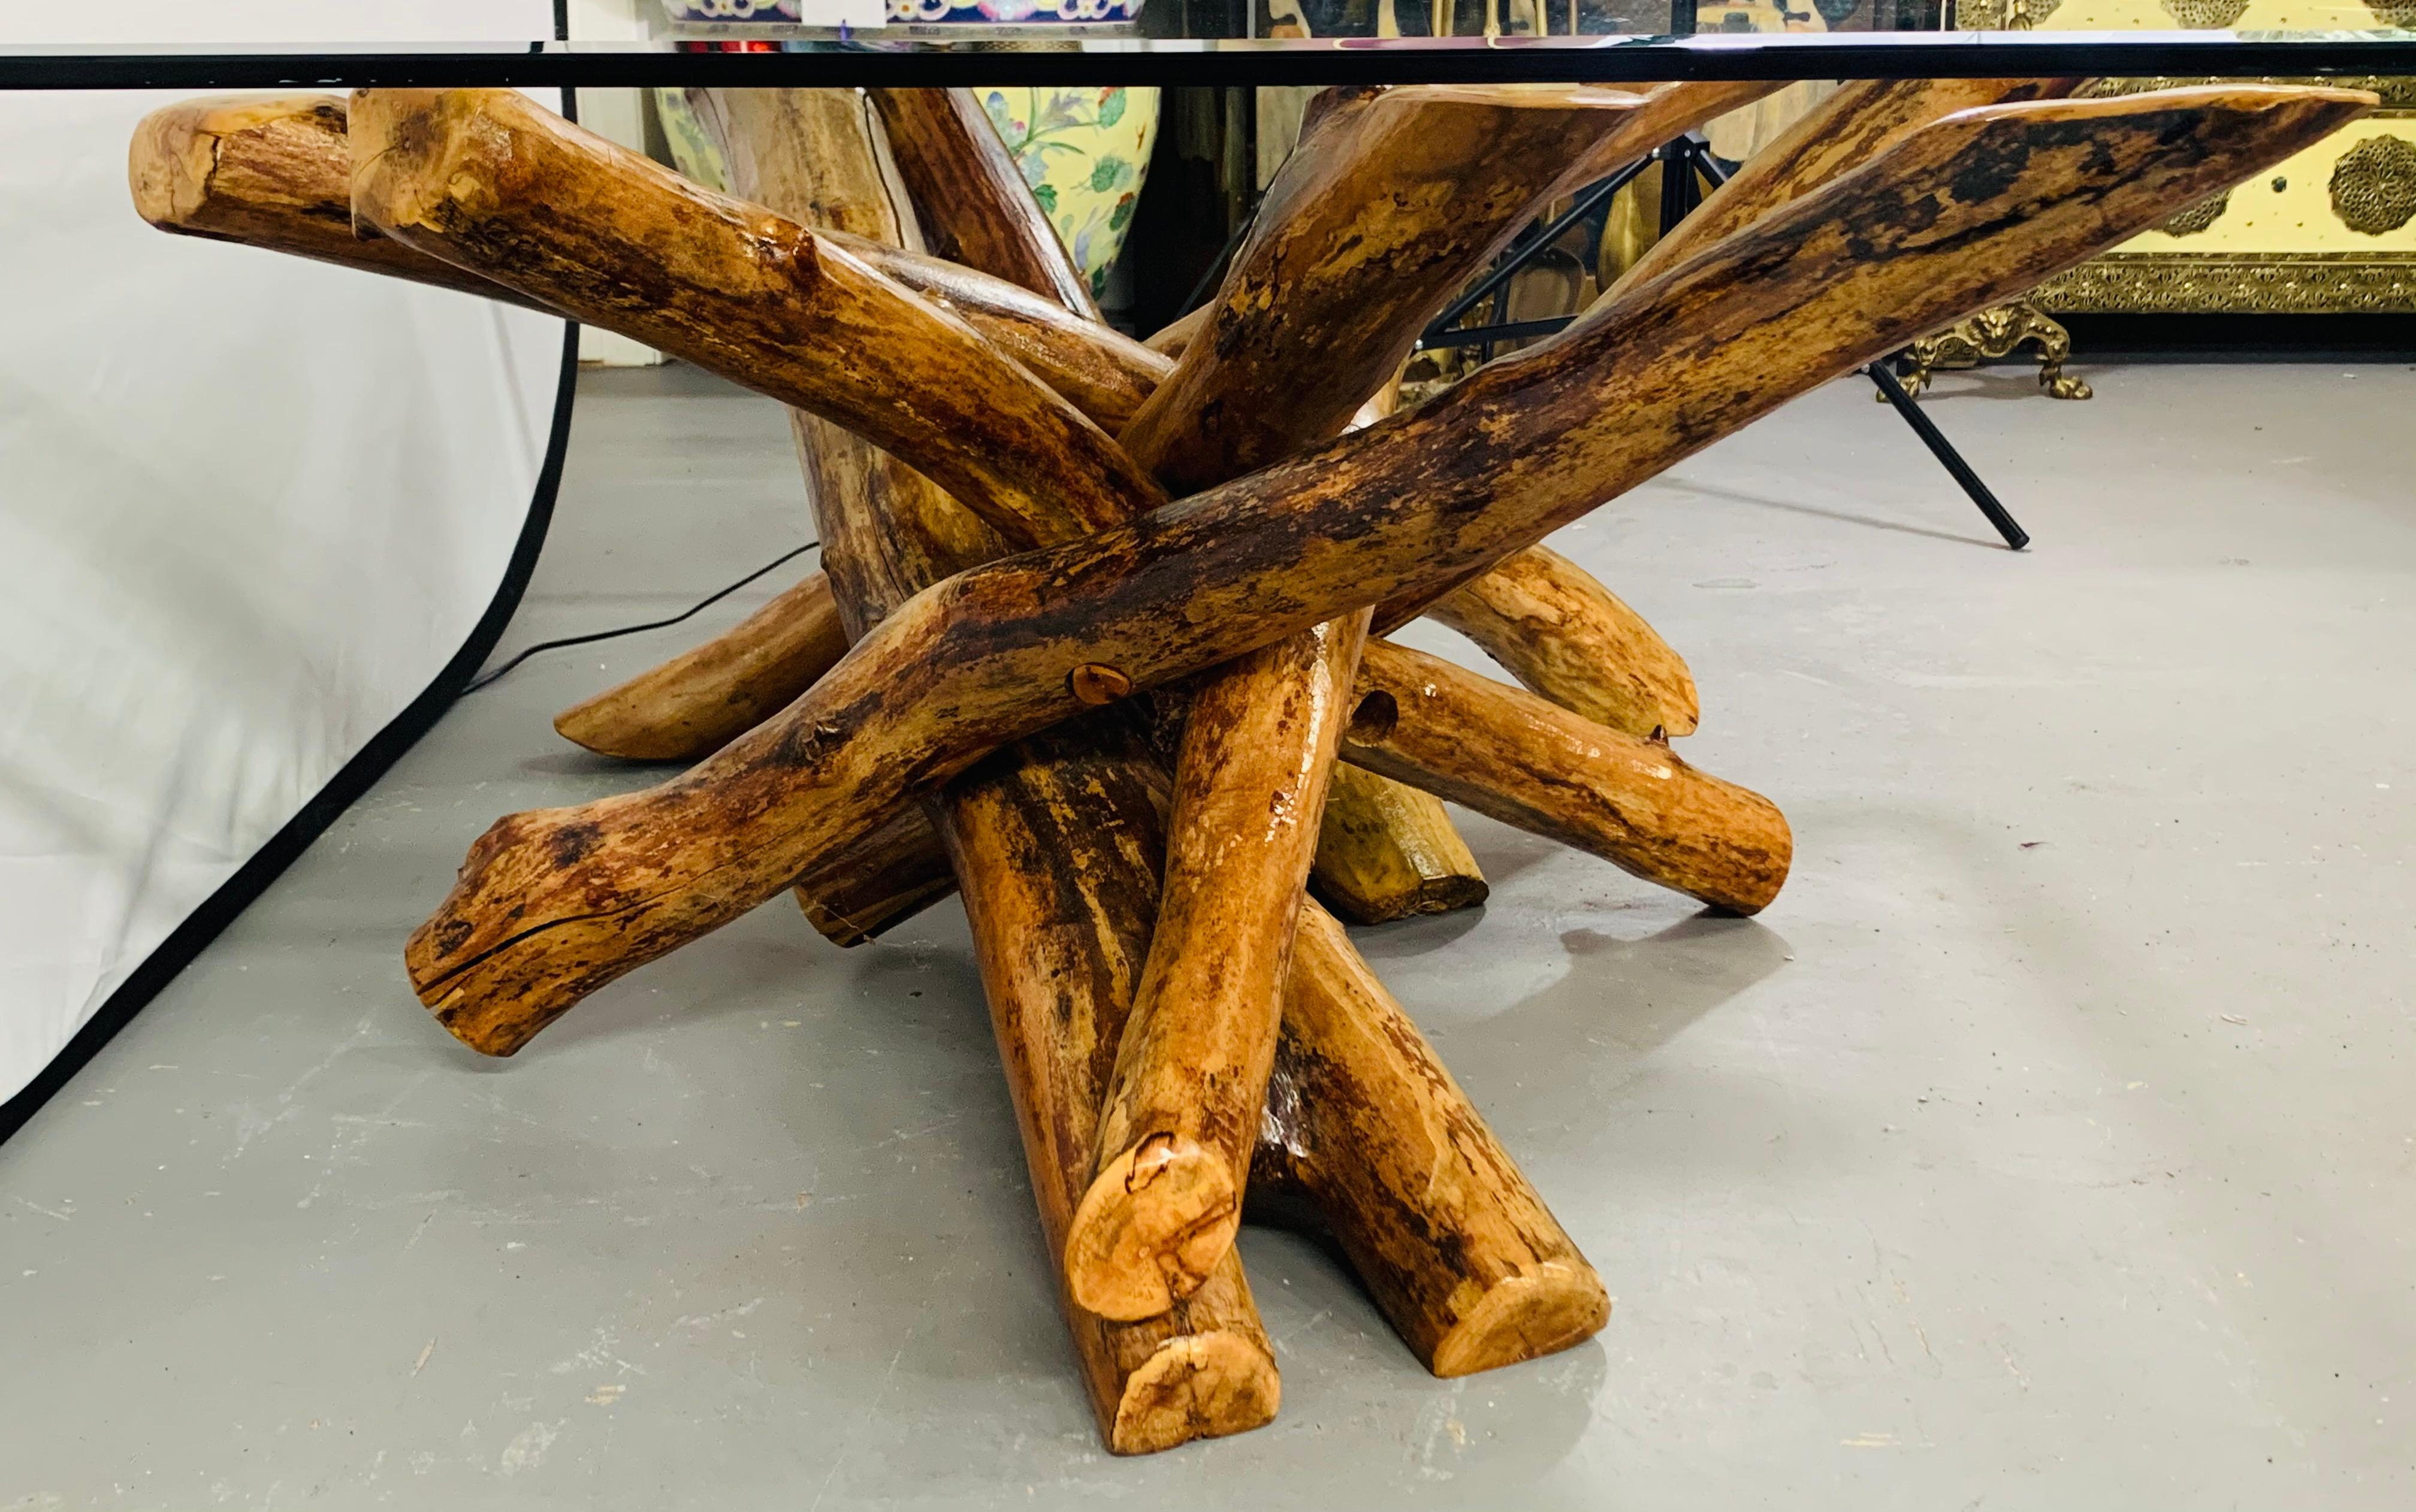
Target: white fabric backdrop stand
{"points": [[259, 520]]}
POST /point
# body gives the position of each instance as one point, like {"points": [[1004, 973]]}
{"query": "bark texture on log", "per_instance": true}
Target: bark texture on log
{"points": [[1863, 118], [628, 245], [1449, 1238], [1515, 757], [705, 698], [274, 171], [1181, 1114], [1390, 204], [1387, 850], [1570, 639], [971, 199], [552, 904]]}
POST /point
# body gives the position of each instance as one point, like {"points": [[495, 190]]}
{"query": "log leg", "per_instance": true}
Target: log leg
{"points": [[1181, 1114], [1364, 1135], [971, 197], [1057, 843], [708, 696], [1449, 1238], [1388, 850]]}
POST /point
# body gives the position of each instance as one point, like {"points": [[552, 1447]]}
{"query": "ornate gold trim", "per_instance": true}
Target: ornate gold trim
{"points": [[1996, 332], [2308, 283]]}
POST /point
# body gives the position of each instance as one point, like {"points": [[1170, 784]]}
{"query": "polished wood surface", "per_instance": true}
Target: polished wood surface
{"points": [[1182, 1113], [1451, 1239], [274, 171], [1392, 201], [702, 699]]}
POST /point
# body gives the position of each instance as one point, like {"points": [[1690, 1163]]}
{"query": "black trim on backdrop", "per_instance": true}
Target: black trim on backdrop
{"points": [[220, 909]]}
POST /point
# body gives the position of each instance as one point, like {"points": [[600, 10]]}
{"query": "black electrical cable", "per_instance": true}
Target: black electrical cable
{"points": [[689, 613]]}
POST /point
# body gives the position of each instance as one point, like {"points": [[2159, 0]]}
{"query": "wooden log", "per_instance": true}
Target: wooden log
{"points": [[626, 244], [971, 196], [1518, 759], [1387, 850], [1860, 119], [1568, 638], [271, 170], [1206, 1367], [710, 695], [1181, 1116], [1389, 205], [1455, 1245], [1101, 371], [552, 904]]}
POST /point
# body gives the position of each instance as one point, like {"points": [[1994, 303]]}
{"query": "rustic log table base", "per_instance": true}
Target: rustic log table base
{"points": [[1110, 722]]}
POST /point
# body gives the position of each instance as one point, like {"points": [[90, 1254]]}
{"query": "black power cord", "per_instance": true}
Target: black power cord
{"points": [[689, 613]]}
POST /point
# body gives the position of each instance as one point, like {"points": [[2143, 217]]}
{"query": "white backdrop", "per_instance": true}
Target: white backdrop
{"points": [[249, 506]]}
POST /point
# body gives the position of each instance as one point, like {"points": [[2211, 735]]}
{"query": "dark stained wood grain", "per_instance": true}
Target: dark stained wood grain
{"points": [[1386, 208], [1860, 119], [1447, 1233]]}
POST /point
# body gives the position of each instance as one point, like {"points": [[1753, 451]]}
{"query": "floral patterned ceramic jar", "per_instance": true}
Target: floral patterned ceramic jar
{"points": [[1084, 152]]}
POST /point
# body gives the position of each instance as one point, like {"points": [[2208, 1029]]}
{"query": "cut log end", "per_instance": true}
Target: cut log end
{"points": [[693, 705], [1556, 1306], [1199, 1385], [1388, 851], [489, 1028], [1152, 1227]]}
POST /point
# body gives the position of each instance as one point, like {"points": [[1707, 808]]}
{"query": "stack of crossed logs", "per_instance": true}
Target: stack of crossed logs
{"points": [[1099, 615]]}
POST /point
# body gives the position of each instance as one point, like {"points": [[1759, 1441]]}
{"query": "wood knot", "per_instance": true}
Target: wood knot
{"points": [[1097, 683]]}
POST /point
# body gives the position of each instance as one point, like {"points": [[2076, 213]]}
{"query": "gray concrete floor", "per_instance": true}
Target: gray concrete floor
{"points": [[2049, 1143]]}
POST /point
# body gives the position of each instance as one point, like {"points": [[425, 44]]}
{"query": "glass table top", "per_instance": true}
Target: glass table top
{"points": [[889, 58]]}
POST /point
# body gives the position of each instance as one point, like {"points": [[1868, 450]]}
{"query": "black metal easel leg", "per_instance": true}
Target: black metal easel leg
{"points": [[1948, 457]]}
